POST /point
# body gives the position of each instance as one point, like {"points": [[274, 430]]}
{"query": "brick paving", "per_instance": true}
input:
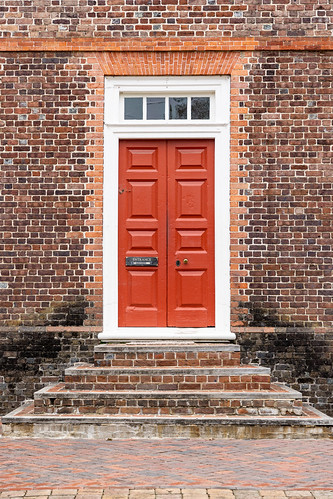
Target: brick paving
{"points": [[190, 467], [173, 493]]}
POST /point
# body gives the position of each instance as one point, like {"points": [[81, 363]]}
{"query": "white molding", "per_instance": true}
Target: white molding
{"points": [[217, 130], [166, 333]]}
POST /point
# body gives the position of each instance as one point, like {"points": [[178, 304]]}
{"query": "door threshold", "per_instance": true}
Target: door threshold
{"points": [[167, 333]]}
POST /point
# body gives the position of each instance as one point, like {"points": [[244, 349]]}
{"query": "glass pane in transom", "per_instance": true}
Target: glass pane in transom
{"points": [[178, 108], [155, 108], [133, 108], [200, 108]]}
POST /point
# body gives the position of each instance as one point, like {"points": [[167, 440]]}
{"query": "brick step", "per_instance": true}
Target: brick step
{"points": [[23, 423], [167, 354], [280, 400], [88, 377], [111, 400]]}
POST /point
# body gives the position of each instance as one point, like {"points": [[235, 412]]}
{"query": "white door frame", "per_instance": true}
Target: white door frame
{"points": [[216, 128]]}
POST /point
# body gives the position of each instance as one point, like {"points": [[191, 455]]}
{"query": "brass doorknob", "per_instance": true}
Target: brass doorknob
{"points": [[185, 260]]}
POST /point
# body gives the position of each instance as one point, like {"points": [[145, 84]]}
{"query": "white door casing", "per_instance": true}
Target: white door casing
{"points": [[116, 128]]}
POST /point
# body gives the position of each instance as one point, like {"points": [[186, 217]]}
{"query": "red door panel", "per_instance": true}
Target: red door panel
{"points": [[191, 285], [143, 199], [142, 293], [166, 210], [142, 232]]}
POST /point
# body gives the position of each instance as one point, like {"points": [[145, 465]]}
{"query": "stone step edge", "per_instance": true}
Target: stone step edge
{"points": [[90, 370], [311, 417], [159, 347], [282, 393]]}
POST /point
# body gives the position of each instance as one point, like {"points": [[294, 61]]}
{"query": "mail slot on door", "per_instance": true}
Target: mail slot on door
{"points": [[141, 261]]}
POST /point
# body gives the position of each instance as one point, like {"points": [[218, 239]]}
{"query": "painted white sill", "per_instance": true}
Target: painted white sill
{"points": [[166, 333]]}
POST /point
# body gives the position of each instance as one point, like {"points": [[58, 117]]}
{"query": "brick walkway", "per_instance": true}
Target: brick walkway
{"points": [[166, 494], [190, 467]]}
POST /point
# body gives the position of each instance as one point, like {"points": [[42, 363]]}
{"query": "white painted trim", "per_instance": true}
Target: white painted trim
{"points": [[166, 333], [217, 130]]}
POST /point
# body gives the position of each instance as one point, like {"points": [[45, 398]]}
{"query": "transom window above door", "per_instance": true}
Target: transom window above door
{"points": [[167, 103], [166, 108]]}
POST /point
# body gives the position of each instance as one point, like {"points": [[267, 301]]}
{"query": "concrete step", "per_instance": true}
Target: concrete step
{"points": [[88, 377], [57, 399], [167, 354], [23, 423]]}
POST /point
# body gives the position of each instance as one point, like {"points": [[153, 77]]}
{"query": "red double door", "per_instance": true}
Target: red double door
{"points": [[166, 233]]}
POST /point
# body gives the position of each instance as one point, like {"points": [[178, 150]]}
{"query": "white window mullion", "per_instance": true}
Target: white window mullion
{"points": [[144, 103]]}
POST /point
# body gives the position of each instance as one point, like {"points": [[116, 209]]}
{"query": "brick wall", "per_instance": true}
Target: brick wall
{"points": [[51, 203], [51, 168], [31, 358], [165, 18], [285, 191], [299, 357]]}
